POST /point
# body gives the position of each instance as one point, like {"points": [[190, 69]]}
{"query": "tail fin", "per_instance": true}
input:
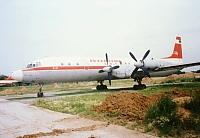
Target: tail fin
{"points": [[177, 53]]}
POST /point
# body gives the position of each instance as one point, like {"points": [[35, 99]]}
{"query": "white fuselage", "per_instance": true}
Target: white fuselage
{"points": [[82, 69]]}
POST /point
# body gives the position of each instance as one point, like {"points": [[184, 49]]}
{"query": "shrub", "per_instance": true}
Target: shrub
{"points": [[163, 116], [192, 123], [194, 104]]}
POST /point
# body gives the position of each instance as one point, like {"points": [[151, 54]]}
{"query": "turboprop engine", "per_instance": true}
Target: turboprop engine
{"points": [[108, 69]]}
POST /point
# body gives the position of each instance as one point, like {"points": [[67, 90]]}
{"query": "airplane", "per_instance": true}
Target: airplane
{"points": [[64, 69]]}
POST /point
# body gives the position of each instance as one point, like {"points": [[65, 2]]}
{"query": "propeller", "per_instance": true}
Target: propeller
{"points": [[108, 69], [140, 64]]}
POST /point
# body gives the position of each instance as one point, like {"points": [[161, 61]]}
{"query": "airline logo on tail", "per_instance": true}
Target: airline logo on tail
{"points": [[177, 53]]}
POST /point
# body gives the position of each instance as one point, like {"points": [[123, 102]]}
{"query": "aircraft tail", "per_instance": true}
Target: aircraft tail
{"points": [[177, 53]]}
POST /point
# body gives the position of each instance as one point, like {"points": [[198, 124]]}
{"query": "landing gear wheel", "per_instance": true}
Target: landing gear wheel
{"points": [[144, 86], [139, 87], [105, 87], [40, 94], [98, 87], [101, 87]]}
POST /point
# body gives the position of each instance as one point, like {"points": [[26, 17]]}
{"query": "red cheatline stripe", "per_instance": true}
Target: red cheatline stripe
{"points": [[65, 68]]}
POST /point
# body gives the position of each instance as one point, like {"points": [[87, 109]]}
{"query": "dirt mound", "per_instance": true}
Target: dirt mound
{"points": [[133, 106], [183, 113], [176, 93], [126, 105]]}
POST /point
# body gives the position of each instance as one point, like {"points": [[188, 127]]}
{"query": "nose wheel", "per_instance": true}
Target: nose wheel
{"points": [[40, 94]]}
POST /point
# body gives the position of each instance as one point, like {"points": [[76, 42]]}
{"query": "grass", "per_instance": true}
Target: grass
{"points": [[183, 80], [185, 87], [81, 105], [57, 87], [17, 90]]}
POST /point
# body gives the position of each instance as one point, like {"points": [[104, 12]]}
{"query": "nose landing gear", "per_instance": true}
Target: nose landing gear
{"points": [[40, 93]]}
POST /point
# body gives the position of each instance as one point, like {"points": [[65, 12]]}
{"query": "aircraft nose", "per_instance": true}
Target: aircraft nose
{"points": [[17, 75]]}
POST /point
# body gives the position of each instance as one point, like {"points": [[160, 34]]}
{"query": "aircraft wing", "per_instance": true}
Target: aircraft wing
{"points": [[178, 66]]}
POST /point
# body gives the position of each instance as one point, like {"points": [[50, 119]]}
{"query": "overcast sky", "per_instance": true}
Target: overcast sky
{"points": [[32, 29]]}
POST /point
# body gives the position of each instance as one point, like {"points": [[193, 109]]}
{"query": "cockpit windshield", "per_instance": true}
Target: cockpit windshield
{"points": [[33, 65]]}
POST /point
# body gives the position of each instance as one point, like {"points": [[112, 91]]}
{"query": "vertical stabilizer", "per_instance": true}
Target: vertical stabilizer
{"points": [[177, 53]]}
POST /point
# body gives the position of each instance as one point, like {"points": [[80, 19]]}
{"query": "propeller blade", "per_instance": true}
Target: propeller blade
{"points": [[133, 56], [134, 71], [145, 55], [110, 77], [146, 72], [107, 59], [115, 67]]}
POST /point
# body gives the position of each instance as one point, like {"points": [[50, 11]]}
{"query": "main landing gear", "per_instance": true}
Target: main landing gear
{"points": [[40, 93], [140, 86], [101, 86]]}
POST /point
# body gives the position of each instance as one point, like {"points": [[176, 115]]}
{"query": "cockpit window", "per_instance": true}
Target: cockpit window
{"points": [[29, 66]]}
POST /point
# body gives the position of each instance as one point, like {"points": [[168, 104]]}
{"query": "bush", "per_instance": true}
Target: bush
{"points": [[194, 104], [192, 123], [163, 116]]}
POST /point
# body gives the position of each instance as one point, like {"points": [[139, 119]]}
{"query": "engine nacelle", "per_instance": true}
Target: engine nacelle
{"points": [[106, 69], [151, 64], [123, 72]]}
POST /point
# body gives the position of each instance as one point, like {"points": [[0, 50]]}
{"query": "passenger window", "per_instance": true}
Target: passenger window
{"points": [[38, 64], [77, 63], [69, 64]]}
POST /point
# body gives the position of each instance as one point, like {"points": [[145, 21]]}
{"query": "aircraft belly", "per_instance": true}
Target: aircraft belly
{"points": [[163, 73], [64, 76]]}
